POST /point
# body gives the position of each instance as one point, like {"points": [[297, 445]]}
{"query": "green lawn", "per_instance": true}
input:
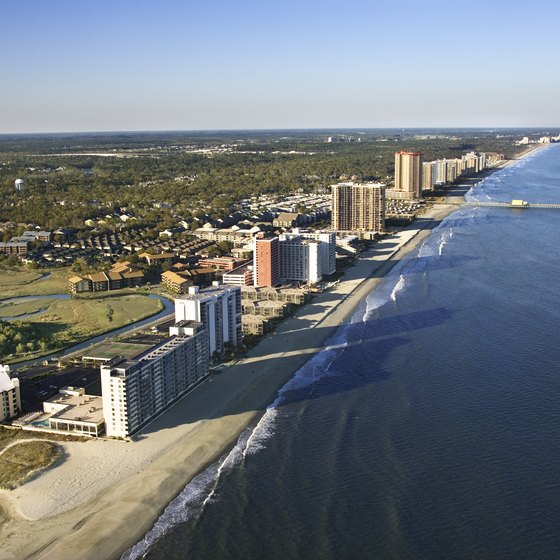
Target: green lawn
{"points": [[18, 281], [22, 308], [67, 322]]}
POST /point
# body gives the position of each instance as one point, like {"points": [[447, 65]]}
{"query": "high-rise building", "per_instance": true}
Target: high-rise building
{"points": [[266, 261], [428, 175], [327, 247], [441, 171], [218, 308], [136, 391], [10, 401], [358, 207], [408, 173], [299, 260], [452, 170]]}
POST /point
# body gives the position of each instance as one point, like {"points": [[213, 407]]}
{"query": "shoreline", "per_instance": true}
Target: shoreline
{"points": [[91, 520]]}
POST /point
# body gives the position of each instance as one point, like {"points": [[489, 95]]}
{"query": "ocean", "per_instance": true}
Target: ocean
{"points": [[428, 429]]}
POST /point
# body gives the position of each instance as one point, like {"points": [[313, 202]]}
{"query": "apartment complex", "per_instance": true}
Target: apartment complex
{"points": [[358, 207], [218, 308], [10, 400], [408, 175], [135, 391], [19, 245], [121, 275]]}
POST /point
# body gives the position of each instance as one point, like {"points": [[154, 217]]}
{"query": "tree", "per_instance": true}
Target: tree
{"points": [[225, 246]]}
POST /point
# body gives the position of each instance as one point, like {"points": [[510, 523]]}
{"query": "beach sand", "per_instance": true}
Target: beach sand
{"points": [[105, 495]]}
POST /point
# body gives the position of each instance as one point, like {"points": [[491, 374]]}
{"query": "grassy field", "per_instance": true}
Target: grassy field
{"points": [[9, 436], [21, 460], [22, 308], [17, 281], [17, 462], [66, 322]]}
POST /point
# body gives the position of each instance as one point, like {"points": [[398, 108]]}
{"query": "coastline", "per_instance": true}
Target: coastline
{"points": [[93, 519]]}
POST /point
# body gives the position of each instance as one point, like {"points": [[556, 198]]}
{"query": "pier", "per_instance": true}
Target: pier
{"points": [[518, 204]]}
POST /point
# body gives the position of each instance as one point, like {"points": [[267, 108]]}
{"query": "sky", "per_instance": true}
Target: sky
{"points": [[111, 65]]}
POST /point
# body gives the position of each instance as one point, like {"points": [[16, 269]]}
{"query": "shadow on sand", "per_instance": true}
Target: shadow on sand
{"points": [[274, 361]]}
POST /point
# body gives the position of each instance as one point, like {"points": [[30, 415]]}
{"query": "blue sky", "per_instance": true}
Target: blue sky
{"points": [[77, 65]]}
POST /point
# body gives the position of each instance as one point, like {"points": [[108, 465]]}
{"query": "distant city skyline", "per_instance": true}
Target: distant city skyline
{"points": [[139, 65]]}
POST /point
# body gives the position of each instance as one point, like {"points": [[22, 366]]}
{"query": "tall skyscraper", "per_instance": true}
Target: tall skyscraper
{"points": [[266, 261], [358, 207], [428, 175], [408, 173]]}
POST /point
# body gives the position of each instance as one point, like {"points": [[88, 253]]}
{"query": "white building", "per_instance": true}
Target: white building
{"points": [[299, 260], [240, 276], [327, 247], [74, 411], [10, 400], [136, 391], [218, 308]]}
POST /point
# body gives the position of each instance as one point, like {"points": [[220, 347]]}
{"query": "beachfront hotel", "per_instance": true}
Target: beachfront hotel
{"points": [[299, 256], [218, 308], [10, 400], [327, 247], [299, 260], [428, 175], [266, 261], [408, 176], [136, 390], [358, 207]]}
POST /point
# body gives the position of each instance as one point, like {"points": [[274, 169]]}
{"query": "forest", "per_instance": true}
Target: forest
{"points": [[70, 178]]}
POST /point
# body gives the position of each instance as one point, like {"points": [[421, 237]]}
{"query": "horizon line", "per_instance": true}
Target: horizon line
{"points": [[302, 129]]}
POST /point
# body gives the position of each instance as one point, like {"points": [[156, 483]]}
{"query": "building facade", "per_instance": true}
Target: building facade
{"points": [[136, 391], [408, 173], [241, 276], [10, 399], [327, 247], [358, 207], [428, 175], [266, 261], [299, 260], [218, 308]]}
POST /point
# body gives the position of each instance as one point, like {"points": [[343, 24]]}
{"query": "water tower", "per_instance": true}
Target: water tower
{"points": [[20, 183]]}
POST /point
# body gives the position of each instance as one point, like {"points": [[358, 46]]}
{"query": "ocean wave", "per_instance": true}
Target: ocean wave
{"points": [[400, 285]]}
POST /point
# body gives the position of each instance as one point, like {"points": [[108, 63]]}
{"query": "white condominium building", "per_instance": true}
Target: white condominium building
{"points": [[327, 247], [299, 260], [218, 308], [10, 400], [136, 391]]}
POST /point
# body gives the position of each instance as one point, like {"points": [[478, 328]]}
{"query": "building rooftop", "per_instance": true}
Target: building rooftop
{"points": [[6, 383], [79, 408]]}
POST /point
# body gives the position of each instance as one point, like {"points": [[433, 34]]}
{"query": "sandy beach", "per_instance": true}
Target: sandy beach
{"points": [[105, 495]]}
